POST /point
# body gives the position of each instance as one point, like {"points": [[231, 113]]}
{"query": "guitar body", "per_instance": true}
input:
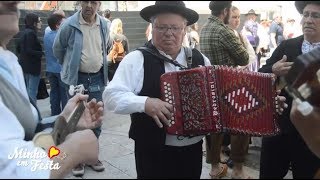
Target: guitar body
{"points": [[47, 139], [61, 129]]}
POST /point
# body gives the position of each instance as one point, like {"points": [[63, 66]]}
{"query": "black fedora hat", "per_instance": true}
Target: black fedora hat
{"points": [[251, 12], [177, 7], [300, 5]]}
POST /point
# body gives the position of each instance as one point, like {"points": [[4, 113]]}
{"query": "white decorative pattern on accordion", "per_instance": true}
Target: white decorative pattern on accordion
{"points": [[252, 100]]}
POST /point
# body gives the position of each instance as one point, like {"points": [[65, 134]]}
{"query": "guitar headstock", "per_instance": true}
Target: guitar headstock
{"points": [[76, 89]]}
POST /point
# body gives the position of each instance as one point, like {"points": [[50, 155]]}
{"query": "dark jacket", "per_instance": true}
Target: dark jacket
{"points": [[30, 52], [292, 49]]}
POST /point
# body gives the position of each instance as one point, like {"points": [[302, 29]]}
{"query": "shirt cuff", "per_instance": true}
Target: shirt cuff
{"points": [[140, 103]]}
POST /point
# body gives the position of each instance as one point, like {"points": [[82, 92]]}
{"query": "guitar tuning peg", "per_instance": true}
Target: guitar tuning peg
{"points": [[81, 89], [304, 107], [71, 90]]}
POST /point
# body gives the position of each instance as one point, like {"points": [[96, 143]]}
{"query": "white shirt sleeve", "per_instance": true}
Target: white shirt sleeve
{"points": [[121, 94], [206, 61], [11, 140]]}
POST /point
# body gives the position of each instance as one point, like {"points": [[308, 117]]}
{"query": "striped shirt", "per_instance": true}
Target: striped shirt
{"points": [[219, 43]]}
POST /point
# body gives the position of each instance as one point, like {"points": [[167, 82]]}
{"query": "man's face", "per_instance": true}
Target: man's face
{"points": [[168, 31], [39, 24], [9, 18], [234, 20], [90, 8], [252, 16], [311, 21]]}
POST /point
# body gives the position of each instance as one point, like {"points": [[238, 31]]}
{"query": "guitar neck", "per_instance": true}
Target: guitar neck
{"points": [[75, 117]]}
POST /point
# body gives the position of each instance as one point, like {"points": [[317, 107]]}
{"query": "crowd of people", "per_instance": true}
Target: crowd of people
{"points": [[93, 50]]}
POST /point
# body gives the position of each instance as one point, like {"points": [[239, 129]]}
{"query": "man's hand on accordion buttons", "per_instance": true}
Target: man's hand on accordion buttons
{"points": [[280, 103], [281, 67], [159, 110]]}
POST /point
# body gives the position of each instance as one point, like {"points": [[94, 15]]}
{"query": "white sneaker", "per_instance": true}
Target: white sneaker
{"points": [[78, 170], [99, 167]]}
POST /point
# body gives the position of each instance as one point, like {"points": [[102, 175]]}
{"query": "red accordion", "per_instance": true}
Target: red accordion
{"points": [[220, 99]]}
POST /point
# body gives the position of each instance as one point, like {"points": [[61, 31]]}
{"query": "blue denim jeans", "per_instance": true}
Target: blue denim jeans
{"points": [[32, 84], [94, 83], [58, 96]]}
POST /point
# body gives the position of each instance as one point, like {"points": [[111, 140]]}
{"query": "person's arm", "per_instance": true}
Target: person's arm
{"points": [[195, 36], [273, 31], [126, 46], [308, 127], [79, 147], [47, 44], [234, 47], [120, 96], [273, 39], [11, 139], [259, 34], [29, 44], [275, 57], [249, 25], [61, 42], [206, 61], [249, 48]]}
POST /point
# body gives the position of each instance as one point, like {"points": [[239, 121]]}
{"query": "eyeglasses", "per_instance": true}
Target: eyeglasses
{"points": [[163, 29], [314, 15]]}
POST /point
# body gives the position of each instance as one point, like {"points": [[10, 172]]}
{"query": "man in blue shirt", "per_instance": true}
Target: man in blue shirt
{"points": [[58, 97]]}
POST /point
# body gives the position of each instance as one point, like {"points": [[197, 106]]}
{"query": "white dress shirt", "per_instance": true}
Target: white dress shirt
{"points": [[121, 94], [11, 132]]}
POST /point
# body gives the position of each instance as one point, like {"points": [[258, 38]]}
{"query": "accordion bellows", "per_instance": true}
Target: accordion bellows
{"points": [[213, 99]]}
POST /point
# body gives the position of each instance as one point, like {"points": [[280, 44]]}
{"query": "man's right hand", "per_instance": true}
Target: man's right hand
{"points": [[159, 110], [84, 145], [282, 67]]}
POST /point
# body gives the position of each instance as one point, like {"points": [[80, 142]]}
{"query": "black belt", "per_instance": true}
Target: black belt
{"points": [[85, 73]]}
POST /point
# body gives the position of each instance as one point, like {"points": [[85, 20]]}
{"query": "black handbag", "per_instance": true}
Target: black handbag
{"points": [[42, 89]]}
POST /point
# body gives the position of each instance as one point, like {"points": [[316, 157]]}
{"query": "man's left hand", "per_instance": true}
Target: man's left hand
{"points": [[92, 115]]}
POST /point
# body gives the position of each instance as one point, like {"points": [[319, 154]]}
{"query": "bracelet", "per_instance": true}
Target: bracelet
{"points": [[62, 156]]}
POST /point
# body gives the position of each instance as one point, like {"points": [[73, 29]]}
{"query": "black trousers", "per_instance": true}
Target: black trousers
{"points": [[169, 162], [278, 152]]}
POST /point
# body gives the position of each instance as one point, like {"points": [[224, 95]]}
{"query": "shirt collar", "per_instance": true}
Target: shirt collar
{"points": [[307, 46], [83, 22], [215, 18]]}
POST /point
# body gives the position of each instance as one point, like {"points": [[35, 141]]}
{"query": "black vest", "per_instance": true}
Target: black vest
{"points": [[143, 128]]}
